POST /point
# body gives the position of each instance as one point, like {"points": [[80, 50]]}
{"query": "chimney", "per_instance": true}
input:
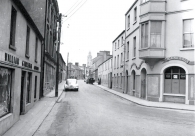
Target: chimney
{"points": [[77, 64]]}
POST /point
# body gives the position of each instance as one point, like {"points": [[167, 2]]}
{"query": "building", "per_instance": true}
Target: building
{"points": [[101, 57], [45, 14], [105, 73], [20, 62], [158, 51], [118, 73], [89, 60], [62, 69]]}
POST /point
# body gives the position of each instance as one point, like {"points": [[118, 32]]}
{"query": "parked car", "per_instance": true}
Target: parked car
{"points": [[90, 81], [71, 84]]}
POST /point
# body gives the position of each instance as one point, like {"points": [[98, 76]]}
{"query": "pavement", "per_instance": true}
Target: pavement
{"points": [[29, 123], [142, 102]]}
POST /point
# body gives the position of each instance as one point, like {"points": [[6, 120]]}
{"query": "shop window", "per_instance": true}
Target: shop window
{"points": [[13, 28], [175, 78], [5, 91], [188, 33], [28, 88]]}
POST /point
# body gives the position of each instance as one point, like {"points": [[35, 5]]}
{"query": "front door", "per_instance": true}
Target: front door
{"points": [[22, 92]]}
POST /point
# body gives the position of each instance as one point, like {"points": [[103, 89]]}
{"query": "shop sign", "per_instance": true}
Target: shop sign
{"points": [[26, 64], [179, 58], [12, 59], [36, 68]]}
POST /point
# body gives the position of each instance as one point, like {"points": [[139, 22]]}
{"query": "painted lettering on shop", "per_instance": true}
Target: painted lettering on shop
{"points": [[26, 64], [36, 68], [11, 59], [179, 58]]}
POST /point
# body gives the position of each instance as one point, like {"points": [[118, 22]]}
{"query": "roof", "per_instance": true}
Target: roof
{"points": [[110, 57], [119, 35], [131, 7]]}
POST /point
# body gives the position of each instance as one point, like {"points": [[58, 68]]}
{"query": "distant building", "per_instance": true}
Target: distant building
{"points": [[89, 60]]}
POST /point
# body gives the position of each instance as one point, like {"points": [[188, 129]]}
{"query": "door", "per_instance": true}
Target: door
{"points": [[22, 92]]}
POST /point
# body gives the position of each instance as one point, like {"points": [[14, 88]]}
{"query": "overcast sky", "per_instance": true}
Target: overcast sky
{"points": [[91, 26]]}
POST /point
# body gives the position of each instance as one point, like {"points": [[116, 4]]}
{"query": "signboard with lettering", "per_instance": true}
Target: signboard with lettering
{"points": [[26, 64], [12, 59], [179, 58]]}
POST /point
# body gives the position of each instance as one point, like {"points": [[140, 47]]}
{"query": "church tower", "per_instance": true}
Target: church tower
{"points": [[89, 60]]}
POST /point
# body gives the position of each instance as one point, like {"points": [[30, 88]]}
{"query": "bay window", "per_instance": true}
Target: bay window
{"points": [[155, 34]]}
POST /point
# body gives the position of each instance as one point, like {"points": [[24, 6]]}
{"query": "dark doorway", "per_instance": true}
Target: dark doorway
{"points": [[22, 92]]}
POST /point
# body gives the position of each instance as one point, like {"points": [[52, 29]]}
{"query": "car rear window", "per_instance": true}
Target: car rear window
{"points": [[70, 81]]}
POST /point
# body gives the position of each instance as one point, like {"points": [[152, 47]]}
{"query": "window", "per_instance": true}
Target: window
{"points": [[188, 33], [36, 47], [28, 82], [13, 28], [27, 41], [122, 41], [5, 91], [121, 58], [114, 62], [115, 45], [144, 35], [135, 14], [134, 47], [127, 50], [121, 79], [117, 80], [118, 43], [117, 61], [128, 21], [155, 35]]}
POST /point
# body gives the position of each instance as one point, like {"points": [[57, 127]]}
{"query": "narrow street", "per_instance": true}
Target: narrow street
{"points": [[94, 112]]}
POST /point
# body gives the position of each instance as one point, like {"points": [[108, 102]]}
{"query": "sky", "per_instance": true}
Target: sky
{"points": [[90, 26]]}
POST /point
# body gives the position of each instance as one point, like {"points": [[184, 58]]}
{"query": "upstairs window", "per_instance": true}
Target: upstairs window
{"points": [[27, 41], [122, 41], [121, 58], [188, 33], [155, 34], [118, 43], [36, 49], [13, 28], [135, 14], [128, 21], [115, 45], [127, 50], [144, 35], [134, 47]]}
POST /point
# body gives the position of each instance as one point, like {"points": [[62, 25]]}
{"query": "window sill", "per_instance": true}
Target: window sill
{"points": [[135, 22], [35, 61], [133, 58], [27, 56], [174, 94], [186, 49], [12, 47], [127, 60], [128, 29]]}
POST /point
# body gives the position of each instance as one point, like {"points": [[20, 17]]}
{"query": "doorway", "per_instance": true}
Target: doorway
{"points": [[143, 84], [22, 102], [127, 82]]}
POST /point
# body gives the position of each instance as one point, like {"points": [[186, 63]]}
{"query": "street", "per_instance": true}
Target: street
{"points": [[94, 112]]}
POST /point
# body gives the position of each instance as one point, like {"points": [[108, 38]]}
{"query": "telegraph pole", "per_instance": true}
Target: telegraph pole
{"points": [[67, 65], [57, 67]]}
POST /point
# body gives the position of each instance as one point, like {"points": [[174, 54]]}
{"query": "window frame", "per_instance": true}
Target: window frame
{"points": [[13, 28], [191, 33], [27, 42], [135, 14], [128, 21], [134, 47], [36, 48]]}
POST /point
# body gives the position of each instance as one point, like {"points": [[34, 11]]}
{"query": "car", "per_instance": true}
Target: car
{"points": [[71, 84], [90, 80]]}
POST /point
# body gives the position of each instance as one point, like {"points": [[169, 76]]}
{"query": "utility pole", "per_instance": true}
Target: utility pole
{"points": [[67, 65], [57, 67]]}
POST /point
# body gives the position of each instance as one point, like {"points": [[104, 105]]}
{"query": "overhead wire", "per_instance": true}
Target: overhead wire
{"points": [[75, 10], [73, 6]]}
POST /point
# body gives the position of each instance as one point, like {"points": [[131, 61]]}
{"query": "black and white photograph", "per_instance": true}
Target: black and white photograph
{"points": [[97, 68]]}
